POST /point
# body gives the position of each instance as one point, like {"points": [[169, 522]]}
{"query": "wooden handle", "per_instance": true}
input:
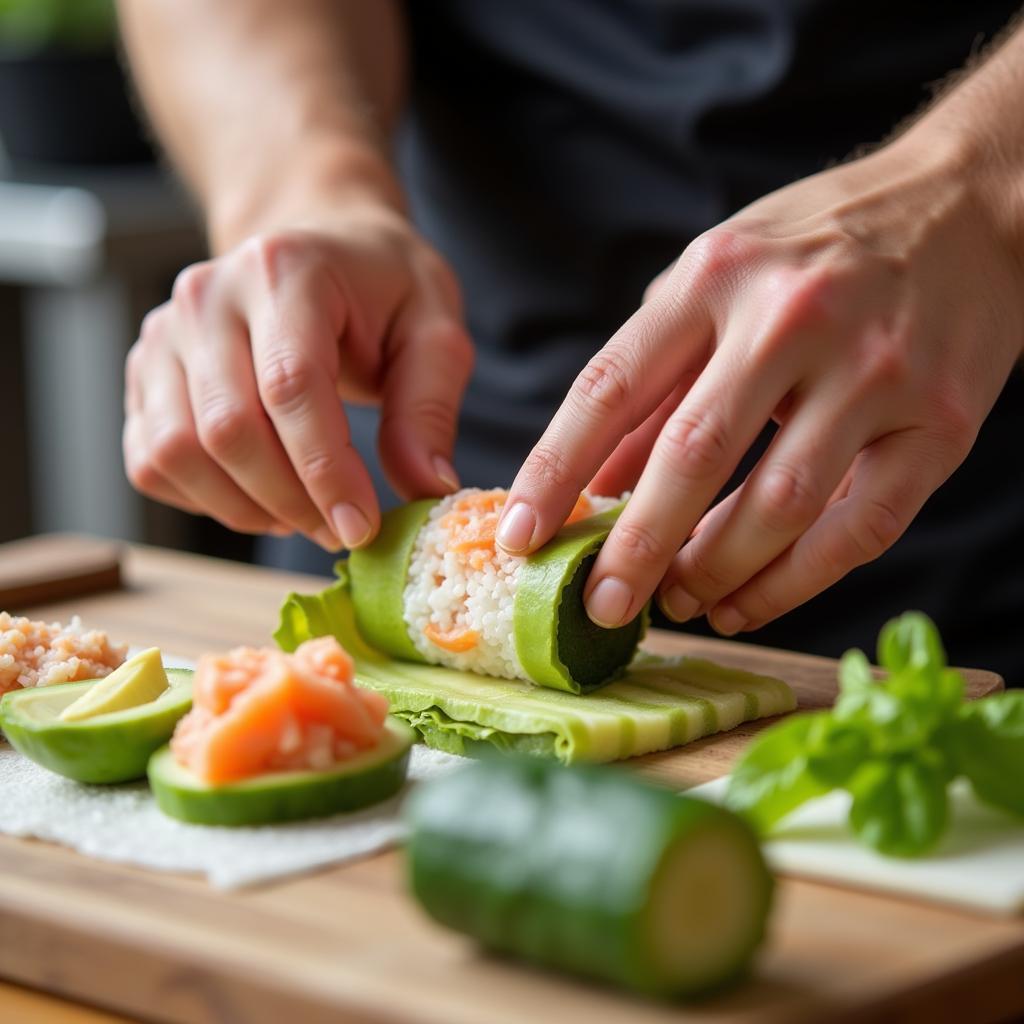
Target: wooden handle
{"points": [[54, 567]]}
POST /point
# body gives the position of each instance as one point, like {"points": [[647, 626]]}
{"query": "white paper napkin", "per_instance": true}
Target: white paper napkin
{"points": [[123, 824], [978, 865]]}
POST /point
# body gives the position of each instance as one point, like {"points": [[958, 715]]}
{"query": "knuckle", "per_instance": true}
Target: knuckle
{"points": [[317, 468], [786, 498], [223, 428], [285, 380], [604, 383], [884, 360], [191, 286], [152, 327], [432, 416], [269, 256], [546, 463], [716, 254], [640, 545], [694, 444], [172, 449], [140, 472], [861, 538], [758, 602], [702, 579], [955, 424]]}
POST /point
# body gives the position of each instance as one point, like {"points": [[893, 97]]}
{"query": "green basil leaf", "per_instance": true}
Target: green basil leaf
{"points": [[910, 641], [900, 806], [988, 743], [772, 777]]}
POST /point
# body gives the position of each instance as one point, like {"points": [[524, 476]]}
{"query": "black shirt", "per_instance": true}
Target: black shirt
{"points": [[560, 153]]}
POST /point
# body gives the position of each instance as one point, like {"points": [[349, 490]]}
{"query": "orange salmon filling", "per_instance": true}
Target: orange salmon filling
{"points": [[261, 710], [455, 640]]}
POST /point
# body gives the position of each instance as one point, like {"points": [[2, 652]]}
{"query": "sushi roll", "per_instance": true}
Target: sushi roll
{"points": [[434, 587]]}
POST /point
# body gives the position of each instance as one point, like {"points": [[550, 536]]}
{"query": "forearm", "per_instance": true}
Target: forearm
{"points": [[976, 125], [271, 110]]}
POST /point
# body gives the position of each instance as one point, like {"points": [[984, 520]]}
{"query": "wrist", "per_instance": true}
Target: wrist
{"points": [[983, 154], [334, 178]]}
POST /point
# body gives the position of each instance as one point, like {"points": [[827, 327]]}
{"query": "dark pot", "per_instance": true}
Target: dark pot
{"points": [[68, 108]]}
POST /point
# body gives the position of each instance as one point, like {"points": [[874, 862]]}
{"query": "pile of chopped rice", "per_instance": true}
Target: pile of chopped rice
{"points": [[35, 653], [459, 594]]}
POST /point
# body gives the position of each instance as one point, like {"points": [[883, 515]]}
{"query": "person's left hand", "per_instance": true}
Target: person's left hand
{"points": [[874, 311]]}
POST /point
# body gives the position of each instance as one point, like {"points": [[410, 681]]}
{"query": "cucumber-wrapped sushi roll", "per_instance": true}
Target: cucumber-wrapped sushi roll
{"points": [[435, 588], [591, 871]]}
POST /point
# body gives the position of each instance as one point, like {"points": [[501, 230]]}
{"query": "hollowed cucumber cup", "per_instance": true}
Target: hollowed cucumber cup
{"points": [[114, 747], [363, 780]]}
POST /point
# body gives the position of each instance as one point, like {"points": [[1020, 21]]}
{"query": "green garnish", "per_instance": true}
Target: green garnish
{"points": [[894, 744]]}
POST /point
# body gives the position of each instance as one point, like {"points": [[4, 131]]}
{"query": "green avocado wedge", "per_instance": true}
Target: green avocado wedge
{"points": [[365, 779], [113, 747]]}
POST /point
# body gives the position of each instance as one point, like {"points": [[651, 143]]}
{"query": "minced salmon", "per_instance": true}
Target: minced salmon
{"points": [[258, 710], [36, 653]]}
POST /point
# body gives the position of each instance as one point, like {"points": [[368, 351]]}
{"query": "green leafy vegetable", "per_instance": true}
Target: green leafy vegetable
{"points": [[893, 743]]}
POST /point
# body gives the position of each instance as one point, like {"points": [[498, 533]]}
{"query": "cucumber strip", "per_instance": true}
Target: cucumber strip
{"points": [[113, 747], [379, 574], [531, 861], [365, 779], [661, 704], [557, 643]]}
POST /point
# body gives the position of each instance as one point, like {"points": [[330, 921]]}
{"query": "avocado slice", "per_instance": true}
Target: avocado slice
{"points": [[111, 747], [138, 681], [360, 781]]}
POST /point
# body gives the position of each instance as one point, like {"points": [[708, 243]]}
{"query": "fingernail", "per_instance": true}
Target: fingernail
{"points": [[678, 605], [350, 525], [727, 620], [322, 536], [446, 473], [609, 602], [516, 527]]}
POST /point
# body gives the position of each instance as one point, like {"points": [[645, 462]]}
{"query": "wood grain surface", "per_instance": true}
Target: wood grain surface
{"points": [[347, 944]]}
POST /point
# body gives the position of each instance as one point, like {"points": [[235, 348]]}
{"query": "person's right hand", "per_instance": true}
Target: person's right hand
{"points": [[234, 389]]}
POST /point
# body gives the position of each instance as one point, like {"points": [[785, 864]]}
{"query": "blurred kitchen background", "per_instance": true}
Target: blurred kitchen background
{"points": [[92, 232]]}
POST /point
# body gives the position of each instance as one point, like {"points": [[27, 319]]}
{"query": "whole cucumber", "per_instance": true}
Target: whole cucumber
{"points": [[591, 871]]}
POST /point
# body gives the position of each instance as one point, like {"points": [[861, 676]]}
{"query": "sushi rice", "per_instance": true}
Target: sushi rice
{"points": [[459, 595]]}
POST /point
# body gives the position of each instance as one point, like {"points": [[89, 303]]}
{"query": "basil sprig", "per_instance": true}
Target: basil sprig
{"points": [[894, 743]]}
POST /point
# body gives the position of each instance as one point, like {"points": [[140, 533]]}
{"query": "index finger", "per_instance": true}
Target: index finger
{"points": [[616, 392], [295, 323]]}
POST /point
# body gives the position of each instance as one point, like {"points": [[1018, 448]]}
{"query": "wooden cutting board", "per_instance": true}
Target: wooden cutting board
{"points": [[348, 945]]}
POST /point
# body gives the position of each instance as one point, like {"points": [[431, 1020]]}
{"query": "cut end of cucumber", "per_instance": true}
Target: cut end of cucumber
{"points": [[358, 782], [709, 902]]}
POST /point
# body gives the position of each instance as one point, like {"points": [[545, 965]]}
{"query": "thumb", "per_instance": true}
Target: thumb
{"points": [[429, 361]]}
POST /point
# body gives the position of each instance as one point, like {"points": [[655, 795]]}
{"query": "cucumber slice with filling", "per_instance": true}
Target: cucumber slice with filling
{"points": [[112, 747], [591, 871], [360, 781]]}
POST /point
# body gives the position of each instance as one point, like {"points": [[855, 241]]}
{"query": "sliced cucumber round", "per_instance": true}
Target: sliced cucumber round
{"points": [[358, 782], [112, 747], [591, 871]]}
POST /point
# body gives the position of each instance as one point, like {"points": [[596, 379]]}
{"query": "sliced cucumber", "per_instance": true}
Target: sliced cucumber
{"points": [[359, 782], [557, 643], [112, 747], [591, 871], [378, 573]]}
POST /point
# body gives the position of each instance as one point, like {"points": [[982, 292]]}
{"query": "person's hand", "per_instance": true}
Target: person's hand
{"points": [[234, 389], [873, 311]]}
